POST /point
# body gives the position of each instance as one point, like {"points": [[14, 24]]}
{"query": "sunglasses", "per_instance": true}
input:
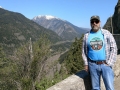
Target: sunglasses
{"points": [[96, 21]]}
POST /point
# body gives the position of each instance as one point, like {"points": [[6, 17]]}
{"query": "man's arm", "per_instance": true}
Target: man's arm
{"points": [[113, 51], [84, 55]]}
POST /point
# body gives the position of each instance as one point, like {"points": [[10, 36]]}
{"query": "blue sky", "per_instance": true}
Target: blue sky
{"points": [[78, 12]]}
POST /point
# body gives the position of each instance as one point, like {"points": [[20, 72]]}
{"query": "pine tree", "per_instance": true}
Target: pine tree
{"points": [[73, 60]]}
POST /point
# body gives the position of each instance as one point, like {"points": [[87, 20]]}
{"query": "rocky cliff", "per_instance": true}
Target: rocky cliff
{"points": [[113, 22], [113, 25]]}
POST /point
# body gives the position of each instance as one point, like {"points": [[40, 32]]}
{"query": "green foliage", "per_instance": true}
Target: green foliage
{"points": [[24, 71], [7, 84], [26, 83], [7, 71], [59, 48], [73, 58], [46, 83], [27, 68], [23, 60], [71, 62], [41, 50]]}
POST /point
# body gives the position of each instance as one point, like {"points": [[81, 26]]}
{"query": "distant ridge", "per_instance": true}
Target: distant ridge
{"points": [[63, 28]]}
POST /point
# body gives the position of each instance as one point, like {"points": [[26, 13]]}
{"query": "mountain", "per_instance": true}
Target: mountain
{"points": [[25, 66], [63, 28], [113, 22], [16, 29]]}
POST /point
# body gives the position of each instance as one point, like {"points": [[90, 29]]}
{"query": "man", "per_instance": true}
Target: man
{"points": [[99, 53]]}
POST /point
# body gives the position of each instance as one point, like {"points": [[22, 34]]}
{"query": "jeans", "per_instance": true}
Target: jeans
{"points": [[96, 71]]}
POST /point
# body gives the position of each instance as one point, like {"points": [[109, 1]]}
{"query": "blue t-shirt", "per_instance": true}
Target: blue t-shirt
{"points": [[96, 46]]}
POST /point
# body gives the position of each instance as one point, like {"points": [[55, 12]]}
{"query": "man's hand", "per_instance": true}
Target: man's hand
{"points": [[86, 68], [106, 63]]}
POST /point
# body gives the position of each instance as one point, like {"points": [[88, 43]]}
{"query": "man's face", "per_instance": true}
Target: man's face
{"points": [[95, 24]]}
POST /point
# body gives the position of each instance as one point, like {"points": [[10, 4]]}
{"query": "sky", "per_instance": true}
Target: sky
{"points": [[77, 12]]}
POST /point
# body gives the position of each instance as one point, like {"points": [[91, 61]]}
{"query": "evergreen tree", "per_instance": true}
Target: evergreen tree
{"points": [[73, 60]]}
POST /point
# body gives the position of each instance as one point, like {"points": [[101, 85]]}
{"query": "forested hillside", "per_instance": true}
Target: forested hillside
{"points": [[25, 70], [16, 29]]}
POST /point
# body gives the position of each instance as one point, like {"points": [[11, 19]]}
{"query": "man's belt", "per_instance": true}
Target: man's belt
{"points": [[98, 62]]}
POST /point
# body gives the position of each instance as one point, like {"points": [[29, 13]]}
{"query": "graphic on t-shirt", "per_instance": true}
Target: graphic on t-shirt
{"points": [[96, 43]]}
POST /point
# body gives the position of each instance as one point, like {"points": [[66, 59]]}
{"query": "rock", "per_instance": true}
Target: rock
{"points": [[115, 20], [81, 80]]}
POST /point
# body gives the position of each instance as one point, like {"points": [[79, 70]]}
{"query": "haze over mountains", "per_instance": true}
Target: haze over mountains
{"points": [[63, 28]]}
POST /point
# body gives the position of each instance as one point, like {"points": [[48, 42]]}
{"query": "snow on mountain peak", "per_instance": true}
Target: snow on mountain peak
{"points": [[48, 17], [0, 6]]}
